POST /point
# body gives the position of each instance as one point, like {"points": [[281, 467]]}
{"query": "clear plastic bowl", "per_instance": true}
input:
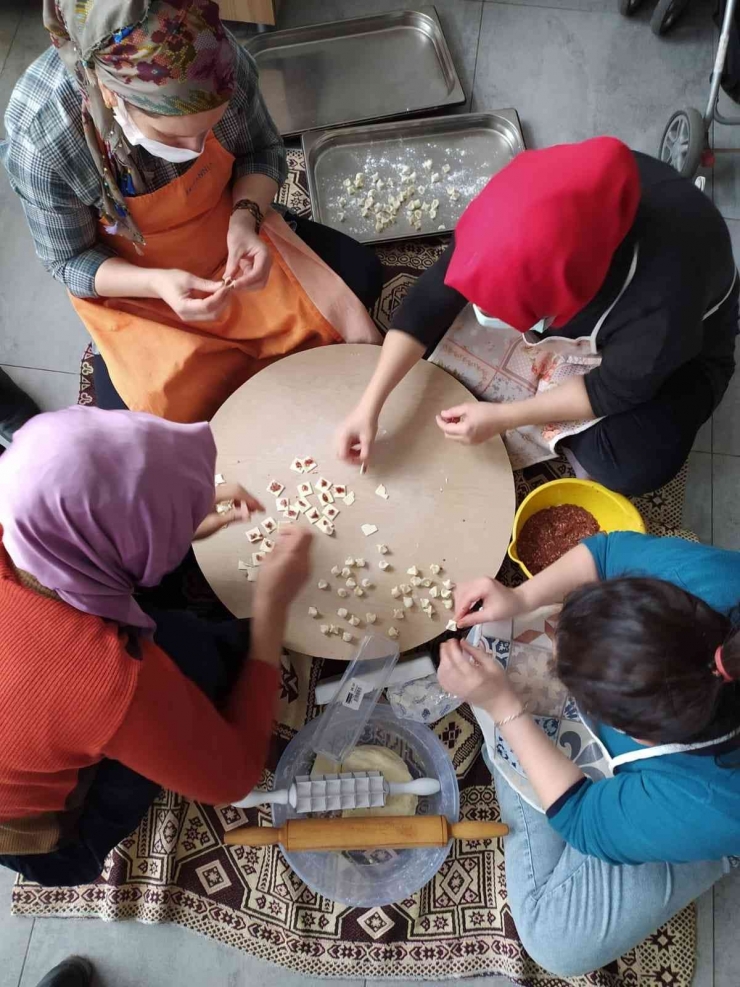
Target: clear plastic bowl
{"points": [[374, 877]]}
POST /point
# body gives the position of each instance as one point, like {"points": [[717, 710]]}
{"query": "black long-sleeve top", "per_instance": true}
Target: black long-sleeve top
{"points": [[685, 267]]}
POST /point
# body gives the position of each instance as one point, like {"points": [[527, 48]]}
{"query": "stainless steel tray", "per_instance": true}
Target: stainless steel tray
{"points": [[473, 145], [365, 68]]}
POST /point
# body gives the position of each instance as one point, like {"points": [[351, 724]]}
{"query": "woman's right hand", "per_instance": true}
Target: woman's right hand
{"points": [[498, 602], [192, 299], [356, 436], [285, 570]]}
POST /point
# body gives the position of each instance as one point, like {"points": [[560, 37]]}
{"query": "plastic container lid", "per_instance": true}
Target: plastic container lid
{"points": [[346, 716]]}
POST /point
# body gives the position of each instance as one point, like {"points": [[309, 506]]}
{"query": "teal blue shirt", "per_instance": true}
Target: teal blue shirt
{"points": [[677, 807]]}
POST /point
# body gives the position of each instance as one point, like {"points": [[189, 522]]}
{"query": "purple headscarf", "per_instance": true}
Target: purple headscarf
{"points": [[97, 503]]}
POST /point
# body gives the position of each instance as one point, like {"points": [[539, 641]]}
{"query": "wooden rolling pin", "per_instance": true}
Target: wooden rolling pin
{"points": [[365, 833]]}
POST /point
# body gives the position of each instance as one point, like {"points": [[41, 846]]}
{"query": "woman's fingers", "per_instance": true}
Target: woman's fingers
{"points": [[236, 492], [452, 427], [479, 654], [207, 287], [452, 414], [203, 309]]}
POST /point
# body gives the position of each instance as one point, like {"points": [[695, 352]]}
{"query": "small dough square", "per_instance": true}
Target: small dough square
{"points": [[349, 499], [219, 479], [252, 575], [323, 484], [258, 558], [254, 535], [297, 466], [368, 529], [292, 514], [275, 487], [325, 497], [325, 525], [340, 489], [282, 504], [331, 512], [242, 565], [302, 505], [313, 515], [268, 545], [269, 525], [382, 491], [309, 464], [305, 489]]}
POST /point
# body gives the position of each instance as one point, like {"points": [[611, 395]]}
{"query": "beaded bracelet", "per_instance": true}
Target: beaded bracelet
{"points": [[251, 206]]}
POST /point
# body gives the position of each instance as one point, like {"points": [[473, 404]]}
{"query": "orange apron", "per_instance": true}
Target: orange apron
{"points": [[185, 371]]}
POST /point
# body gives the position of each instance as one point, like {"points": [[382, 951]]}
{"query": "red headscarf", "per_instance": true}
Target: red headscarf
{"points": [[538, 240]]}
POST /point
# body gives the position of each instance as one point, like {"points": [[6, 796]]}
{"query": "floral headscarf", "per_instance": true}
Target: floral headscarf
{"points": [[169, 57]]}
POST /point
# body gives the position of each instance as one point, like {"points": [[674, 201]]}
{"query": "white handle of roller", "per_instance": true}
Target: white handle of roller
{"points": [[257, 797], [419, 786]]}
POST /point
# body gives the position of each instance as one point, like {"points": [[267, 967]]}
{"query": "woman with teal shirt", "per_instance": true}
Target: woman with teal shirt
{"points": [[647, 644]]}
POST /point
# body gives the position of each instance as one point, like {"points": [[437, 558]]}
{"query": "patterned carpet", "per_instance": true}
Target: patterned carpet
{"points": [[174, 868]]}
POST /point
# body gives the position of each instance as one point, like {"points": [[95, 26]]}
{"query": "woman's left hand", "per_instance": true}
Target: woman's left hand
{"points": [[472, 423], [244, 504], [249, 260], [477, 677]]}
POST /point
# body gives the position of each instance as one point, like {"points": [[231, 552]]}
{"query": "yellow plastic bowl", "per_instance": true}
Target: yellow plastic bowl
{"points": [[613, 511]]}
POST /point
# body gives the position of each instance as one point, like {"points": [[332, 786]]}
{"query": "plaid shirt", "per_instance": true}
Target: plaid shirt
{"points": [[52, 172]]}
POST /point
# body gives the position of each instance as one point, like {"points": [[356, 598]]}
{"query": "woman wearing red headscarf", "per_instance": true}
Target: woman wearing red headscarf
{"points": [[602, 249]]}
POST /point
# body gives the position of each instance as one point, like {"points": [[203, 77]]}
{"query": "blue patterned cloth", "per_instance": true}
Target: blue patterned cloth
{"points": [[51, 170]]}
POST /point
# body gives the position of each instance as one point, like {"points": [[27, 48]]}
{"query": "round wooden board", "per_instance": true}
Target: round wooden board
{"points": [[448, 503]]}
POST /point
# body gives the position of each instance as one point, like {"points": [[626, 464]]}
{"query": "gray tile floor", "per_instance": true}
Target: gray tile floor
{"points": [[573, 68]]}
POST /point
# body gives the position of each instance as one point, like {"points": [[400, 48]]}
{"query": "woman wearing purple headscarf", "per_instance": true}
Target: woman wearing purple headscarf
{"points": [[104, 700]]}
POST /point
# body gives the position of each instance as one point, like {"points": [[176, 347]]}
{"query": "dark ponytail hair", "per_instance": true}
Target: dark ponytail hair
{"points": [[638, 655]]}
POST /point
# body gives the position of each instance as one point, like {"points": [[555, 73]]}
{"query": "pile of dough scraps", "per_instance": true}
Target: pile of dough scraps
{"points": [[321, 512], [397, 192], [355, 584]]}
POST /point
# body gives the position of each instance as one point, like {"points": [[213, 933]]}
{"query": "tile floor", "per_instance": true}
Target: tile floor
{"points": [[573, 68]]}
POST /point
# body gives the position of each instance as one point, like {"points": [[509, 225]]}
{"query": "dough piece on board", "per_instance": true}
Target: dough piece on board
{"points": [[370, 758]]}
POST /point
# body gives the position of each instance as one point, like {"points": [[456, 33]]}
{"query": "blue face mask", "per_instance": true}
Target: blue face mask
{"points": [[490, 322]]}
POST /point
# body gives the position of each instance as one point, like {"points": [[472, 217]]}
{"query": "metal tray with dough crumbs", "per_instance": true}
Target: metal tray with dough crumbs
{"points": [[459, 152], [365, 68]]}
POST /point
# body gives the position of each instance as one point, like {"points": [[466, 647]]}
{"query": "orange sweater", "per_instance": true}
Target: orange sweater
{"points": [[71, 694]]}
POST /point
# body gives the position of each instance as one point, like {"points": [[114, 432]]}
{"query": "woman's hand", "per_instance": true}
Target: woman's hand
{"points": [[478, 678], [498, 602], [472, 423], [249, 260], [356, 436], [192, 299], [285, 570], [244, 504]]}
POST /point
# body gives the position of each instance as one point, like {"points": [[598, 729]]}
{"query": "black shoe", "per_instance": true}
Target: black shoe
{"points": [[16, 407], [72, 972]]}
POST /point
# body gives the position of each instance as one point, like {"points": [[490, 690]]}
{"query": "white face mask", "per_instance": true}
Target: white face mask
{"points": [[175, 155], [492, 323]]}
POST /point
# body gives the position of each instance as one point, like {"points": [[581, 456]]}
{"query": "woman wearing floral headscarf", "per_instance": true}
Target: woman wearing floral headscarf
{"points": [[146, 163]]}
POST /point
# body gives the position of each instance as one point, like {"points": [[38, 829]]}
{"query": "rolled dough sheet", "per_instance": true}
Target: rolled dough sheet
{"points": [[370, 758]]}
